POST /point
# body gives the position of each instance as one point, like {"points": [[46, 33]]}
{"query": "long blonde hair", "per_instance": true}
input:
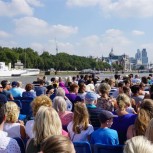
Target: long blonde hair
{"points": [[149, 131], [47, 123], [12, 112], [81, 117], [145, 114]]}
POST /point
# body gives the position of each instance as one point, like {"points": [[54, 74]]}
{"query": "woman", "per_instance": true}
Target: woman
{"points": [[29, 91], [57, 144], [105, 102], [47, 123], [80, 129], [13, 126], [82, 91], [149, 131], [145, 114], [60, 106], [124, 119], [36, 104]]}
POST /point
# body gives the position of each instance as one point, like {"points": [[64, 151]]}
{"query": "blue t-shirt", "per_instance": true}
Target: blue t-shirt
{"points": [[16, 92], [105, 136], [40, 90]]}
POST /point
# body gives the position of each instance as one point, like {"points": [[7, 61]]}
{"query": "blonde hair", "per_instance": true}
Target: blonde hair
{"points": [[12, 112], [42, 100], [60, 104], [104, 88], [149, 131], [138, 144], [145, 114], [81, 117], [123, 101], [47, 123]]}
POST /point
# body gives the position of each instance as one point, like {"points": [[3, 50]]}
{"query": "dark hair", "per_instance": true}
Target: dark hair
{"points": [[57, 144], [2, 113], [28, 87], [81, 87], [4, 83], [135, 89]]}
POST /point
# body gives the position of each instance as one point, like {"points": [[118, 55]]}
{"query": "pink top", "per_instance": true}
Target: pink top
{"points": [[66, 117], [64, 133]]}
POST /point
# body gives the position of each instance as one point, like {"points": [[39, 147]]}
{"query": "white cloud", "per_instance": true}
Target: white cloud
{"points": [[31, 26], [4, 34], [14, 8], [138, 33], [122, 8]]}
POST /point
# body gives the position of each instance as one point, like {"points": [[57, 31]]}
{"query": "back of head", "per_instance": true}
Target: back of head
{"points": [[42, 100], [104, 88], [138, 144], [135, 89], [57, 144], [47, 123], [149, 131], [123, 101], [60, 104], [60, 92], [2, 113], [12, 112]]}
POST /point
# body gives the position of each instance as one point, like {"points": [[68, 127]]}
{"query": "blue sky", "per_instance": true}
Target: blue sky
{"points": [[80, 27]]}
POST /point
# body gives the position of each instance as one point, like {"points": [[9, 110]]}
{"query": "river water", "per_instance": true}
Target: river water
{"points": [[30, 79]]}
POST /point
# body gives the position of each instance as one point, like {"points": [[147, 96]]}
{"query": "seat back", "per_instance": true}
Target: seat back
{"points": [[100, 148], [26, 107], [82, 147], [21, 144]]}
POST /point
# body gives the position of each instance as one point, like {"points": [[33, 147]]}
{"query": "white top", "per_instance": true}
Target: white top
{"points": [[8, 145], [29, 128], [83, 136], [13, 129]]}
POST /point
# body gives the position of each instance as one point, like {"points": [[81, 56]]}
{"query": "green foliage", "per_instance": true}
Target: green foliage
{"points": [[45, 61]]}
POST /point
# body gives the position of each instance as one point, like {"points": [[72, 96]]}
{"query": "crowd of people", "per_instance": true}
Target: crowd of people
{"points": [[112, 111]]}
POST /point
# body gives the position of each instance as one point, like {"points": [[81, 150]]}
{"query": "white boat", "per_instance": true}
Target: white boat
{"points": [[6, 72]]}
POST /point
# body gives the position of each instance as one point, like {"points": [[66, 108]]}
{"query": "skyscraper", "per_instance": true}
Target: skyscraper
{"points": [[138, 55], [144, 57]]}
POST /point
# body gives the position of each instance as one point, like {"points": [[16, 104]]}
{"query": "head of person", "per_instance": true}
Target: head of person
{"points": [[12, 112], [145, 114], [81, 117], [90, 98], [6, 84], [126, 90], [28, 87], [123, 101], [82, 87], [138, 144], [1, 88], [14, 84], [2, 113], [135, 89], [39, 101], [149, 131], [47, 123], [57, 144], [60, 104], [142, 86], [127, 82], [60, 92], [106, 118], [144, 80], [120, 87], [74, 88], [104, 88], [111, 82]]}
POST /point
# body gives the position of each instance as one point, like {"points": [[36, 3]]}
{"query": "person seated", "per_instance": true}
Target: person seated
{"points": [[105, 135], [138, 144], [29, 93], [57, 143], [60, 106], [3, 98], [47, 123], [13, 126], [7, 144], [15, 91], [40, 90], [79, 129]]}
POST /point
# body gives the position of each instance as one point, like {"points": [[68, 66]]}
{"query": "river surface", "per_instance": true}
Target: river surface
{"points": [[30, 79]]}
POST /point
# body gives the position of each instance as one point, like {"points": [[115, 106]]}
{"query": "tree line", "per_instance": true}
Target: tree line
{"points": [[45, 61]]}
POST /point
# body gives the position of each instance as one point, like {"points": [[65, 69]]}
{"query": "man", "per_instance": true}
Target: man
{"points": [[3, 98], [91, 100], [7, 144], [104, 134], [6, 87]]}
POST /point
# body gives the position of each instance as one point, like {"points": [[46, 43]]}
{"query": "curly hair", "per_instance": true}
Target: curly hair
{"points": [[81, 117], [42, 100], [12, 112], [145, 114]]}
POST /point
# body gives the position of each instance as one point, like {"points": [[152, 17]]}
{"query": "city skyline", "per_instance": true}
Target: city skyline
{"points": [[80, 27]]}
